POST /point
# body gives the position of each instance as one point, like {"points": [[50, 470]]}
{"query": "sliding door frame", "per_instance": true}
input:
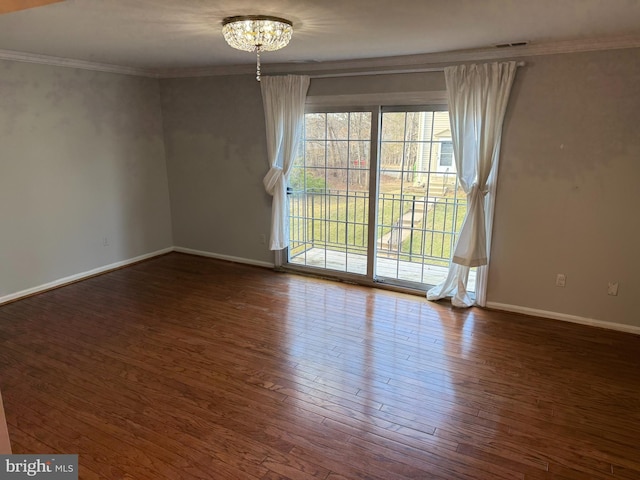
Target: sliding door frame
{"points": [[282, 256], [378, 279], [374, 174], [433, 102]]}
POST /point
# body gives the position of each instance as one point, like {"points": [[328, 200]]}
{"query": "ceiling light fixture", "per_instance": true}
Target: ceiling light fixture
{"points": [[257, 33]]}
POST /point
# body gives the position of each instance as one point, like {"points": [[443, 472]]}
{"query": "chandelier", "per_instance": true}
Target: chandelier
{"points": [[257, 33]]}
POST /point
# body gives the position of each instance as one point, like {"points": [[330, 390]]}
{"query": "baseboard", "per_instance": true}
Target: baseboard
{"points": [[219, 256], [564, 317], [113, 266], [81, 276]]}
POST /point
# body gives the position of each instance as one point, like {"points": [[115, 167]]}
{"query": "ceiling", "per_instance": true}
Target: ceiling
{"points": [[174, 34]]}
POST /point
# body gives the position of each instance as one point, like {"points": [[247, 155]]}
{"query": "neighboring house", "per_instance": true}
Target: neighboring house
{"points": [[444, 161], [435, 163]]}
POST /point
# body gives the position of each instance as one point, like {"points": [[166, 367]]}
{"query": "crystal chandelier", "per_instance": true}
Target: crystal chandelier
{"points": [[257, 33]]}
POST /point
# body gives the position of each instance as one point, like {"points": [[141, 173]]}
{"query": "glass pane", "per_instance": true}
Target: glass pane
{"points": [[337, 154], [446, 154], [315, 126], [420, 207], [359, 155], [412, 127], [410, 157], [329, 217], [425, 156], [358, 182], [313, 179], [296, 179], [441, 126], [393, 126], [360, 126], [315, 152], [426, 122], [338, 126], [391, 155], [298, 161]]}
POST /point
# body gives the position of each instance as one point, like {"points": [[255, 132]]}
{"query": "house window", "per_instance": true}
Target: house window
{"points": [[446, 154]]}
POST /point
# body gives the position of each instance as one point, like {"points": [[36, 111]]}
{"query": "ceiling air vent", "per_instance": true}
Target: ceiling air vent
{"points": [[512, 44]]}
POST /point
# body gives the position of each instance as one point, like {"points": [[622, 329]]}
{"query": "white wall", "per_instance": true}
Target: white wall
{"points": [[81, 160], [568, 193]]}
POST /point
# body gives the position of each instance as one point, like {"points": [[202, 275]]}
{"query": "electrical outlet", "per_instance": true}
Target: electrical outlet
{"points": [[263, 239], [561, 280], [612, 289], [105, 242]]}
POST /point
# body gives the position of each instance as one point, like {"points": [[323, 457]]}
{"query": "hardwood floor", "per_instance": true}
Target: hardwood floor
{"points": [[189, 368]]}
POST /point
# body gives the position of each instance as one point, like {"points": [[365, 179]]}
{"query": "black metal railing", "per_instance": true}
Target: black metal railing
{"points": [[411, 227]]}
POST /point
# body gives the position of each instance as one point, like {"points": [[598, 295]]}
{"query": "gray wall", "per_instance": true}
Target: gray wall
{"points": [[81, 160], [390, 83], [568, 181], [216, 158], [568, 193]]}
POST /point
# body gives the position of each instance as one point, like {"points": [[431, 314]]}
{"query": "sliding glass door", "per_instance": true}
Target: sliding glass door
{"points": [[374, 194], [329, 200]]}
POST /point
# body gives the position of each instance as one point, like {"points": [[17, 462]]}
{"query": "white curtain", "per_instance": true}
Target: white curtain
{"points": [[283, 99], [478, 96]]}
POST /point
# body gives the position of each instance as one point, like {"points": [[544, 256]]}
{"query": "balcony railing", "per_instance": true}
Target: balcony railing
{"points": [[410, 228]]}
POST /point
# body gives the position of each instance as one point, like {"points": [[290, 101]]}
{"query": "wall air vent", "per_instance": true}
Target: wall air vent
{"points": [[511, 44]]}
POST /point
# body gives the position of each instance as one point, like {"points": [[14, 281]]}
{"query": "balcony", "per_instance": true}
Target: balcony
{"points": [[415, 233]]}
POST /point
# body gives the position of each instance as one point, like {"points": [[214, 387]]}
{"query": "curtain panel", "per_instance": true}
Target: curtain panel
{"points": [[478, 97], [283, 99]]}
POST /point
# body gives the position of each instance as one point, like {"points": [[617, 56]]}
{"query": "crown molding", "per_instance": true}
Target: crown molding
{"points": [[411, 63], [370, 66], [214, 71], [73, 63]]}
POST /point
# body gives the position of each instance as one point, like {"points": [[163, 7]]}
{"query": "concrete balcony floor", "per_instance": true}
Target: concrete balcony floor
{"points": [[342, 261]]}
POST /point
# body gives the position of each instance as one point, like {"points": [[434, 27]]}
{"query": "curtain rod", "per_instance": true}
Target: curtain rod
{"points": [[388, 72]]}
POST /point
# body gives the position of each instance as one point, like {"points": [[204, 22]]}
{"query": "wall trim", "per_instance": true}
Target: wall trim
{"points": [[592, 322], [73, 63], [61, 282], [247, 261], [81, 276], [369, 66], [409, 63], [228, 258]]}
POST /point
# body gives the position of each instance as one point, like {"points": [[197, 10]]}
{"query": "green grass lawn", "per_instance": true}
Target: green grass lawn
{"points": [[341, 222], [432, 238]]}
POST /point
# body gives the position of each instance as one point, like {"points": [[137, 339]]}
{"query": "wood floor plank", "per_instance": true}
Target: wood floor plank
{"points": [[183, 367]]}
